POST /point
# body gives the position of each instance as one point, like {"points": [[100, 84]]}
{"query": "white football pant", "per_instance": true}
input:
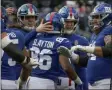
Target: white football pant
{"points": [[8, 84], [65, 83], [101, 84], [40, 83]]}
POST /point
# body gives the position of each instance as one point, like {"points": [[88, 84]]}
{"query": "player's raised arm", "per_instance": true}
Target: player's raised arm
{"points": [[64, 59], [104, 51]]}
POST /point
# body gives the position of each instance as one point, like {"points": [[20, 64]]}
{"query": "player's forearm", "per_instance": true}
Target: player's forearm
{"points": [[25, 74], [98, 51], [103, 51], [67, 67], [23, 79]]}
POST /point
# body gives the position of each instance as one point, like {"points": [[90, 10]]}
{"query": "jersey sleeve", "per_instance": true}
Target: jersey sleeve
{"points": [[30, 36], [107, 31], [21, 40], [85, 42], [66, 43]]}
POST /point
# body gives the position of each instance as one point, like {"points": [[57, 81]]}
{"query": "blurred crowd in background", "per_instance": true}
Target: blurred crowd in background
{"points": [[84, 7]]}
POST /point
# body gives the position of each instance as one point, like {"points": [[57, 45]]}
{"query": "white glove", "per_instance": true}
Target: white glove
{"points": [[74, 48], [30, 62], [74, 56], [88, 49]]}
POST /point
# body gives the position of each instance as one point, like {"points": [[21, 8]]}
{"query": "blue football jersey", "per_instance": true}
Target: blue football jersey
{"points": [[8, 66], [79, 40], [24, 32], [44, 49], [99, 68]]}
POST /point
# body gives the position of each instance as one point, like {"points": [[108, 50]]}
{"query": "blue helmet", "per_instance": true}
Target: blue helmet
{"points": [[27, 10], [56, 20], [4, 17], [104, 12], [69, 14]]}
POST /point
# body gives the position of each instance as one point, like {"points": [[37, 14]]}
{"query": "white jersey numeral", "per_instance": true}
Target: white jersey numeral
{"points": [[92, 56], [11, 62], [42, 56]]}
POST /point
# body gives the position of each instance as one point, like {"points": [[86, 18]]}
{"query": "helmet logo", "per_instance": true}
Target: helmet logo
{"points": [[31, 10], [51, 16], [30, 7], [71, 16], [107, 9]]}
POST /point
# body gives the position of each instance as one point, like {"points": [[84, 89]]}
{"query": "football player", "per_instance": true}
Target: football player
{"points": [[71, 18], [28, 17], [44, 47], [100, 21], [11, 49], [9, 39]]}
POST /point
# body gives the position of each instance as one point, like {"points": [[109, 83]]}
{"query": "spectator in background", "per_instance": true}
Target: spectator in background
{"points": [[45, 9]]}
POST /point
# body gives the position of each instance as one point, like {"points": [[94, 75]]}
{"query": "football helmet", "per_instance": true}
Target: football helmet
{"points": [[70, 16], [26, 13], [100, 16], [57, 22]]}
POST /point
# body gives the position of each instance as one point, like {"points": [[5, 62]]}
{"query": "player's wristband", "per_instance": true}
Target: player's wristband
{"points": [[78, 81], [5, 42]]}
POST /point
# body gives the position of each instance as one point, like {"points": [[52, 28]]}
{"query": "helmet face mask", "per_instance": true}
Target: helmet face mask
{"points": [[29, 21], [28, 16], [95, 21]]}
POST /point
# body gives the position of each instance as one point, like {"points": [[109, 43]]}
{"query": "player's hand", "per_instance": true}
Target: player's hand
{"points": [[10, 10], [64, 51], [30, 63], [74, 48], [44, 27]]}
